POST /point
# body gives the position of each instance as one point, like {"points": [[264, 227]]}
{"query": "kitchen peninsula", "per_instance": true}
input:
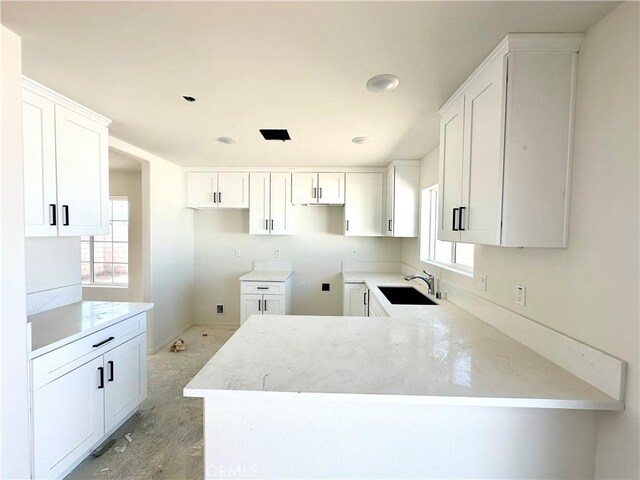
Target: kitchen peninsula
{"points": [[426, 395]]}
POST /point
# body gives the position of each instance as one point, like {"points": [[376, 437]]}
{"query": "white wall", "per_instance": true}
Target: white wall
{"points": [[127, 184], [14, 411], [316, 251], [588, 291], [167, 246], [52, 262]]}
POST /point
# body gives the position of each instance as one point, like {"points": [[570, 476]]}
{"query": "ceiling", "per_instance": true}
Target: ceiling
{"points": [[301, 66]]}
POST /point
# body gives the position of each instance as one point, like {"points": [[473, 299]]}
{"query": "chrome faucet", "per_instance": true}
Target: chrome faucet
{"points": [[427, 278]]}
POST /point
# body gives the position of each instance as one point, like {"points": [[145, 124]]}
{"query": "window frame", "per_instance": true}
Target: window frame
{"points": [[90, 241], [429, 234]]}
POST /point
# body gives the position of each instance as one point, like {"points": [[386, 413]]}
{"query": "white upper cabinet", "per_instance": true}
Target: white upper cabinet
{"points": [[218, 189], [66, 165], [325, 188], [505, 146], [270, 209], [403, 186], [363, 204]]}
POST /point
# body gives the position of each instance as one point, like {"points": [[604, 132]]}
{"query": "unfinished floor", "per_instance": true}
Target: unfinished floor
{"points": [[166, 432]]}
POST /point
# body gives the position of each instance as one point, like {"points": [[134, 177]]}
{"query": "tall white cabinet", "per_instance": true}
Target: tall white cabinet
{"points": [[402, 193], [270, 209], [66, 165], [363, 205], [506, 146]]}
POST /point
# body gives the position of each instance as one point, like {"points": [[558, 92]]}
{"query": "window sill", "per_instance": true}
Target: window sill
{"points": [[449, 267], [106, 285]]}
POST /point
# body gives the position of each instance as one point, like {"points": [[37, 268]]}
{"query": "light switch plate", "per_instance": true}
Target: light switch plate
{"points": [[521, 295], [483, 283], [237, 252]]}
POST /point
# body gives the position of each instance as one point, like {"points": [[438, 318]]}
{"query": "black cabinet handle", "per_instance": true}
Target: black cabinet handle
{"points": [[52, 214], [265, 305], [65, 215], [271, 224], [215, 197], [347, 224], [461, 218], [390, 225], [313, 192], [99, 344], [101, 377], [320, 192], [111, 374], [364, 300], [219, 197], [259, 305], [453, 225], [262, 288]]}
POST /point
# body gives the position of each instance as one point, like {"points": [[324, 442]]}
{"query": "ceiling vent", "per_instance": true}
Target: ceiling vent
{"points": [[275, 134]]}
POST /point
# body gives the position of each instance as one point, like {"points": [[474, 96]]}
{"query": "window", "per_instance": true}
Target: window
{"points": [[457, 256], [105, 259]]}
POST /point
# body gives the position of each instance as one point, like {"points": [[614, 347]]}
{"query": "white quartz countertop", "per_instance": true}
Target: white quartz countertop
{"points": [[57, 327], [266, 276], [420, 354]]}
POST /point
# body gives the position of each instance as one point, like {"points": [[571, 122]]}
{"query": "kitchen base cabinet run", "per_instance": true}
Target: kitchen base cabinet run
{"points": [[83, 391]]}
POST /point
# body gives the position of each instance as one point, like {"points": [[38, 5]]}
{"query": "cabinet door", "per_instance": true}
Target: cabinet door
{"points": [[281, 222], [233, 190], [259, 216], [331, 188], [355, 300], [125, 371], [406, 187], [250, 304], [67, 419], [482, 164], [39, 156], [82, 161], [304, 188], [273, 305], [363, 204], [200, 189], [389, 197], [450, 186]]}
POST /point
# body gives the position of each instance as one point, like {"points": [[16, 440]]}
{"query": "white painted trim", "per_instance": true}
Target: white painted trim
{"points": [[286, 169], [597, 368], [59, 99], [524, 43], [227, 325]]}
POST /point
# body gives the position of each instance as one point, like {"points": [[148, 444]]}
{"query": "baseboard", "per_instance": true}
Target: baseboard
{"points": [[172, 338], [231, 325]]}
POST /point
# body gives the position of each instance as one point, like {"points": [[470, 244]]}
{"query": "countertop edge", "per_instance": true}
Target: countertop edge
{"points": [[499, 402], [143, 307]]}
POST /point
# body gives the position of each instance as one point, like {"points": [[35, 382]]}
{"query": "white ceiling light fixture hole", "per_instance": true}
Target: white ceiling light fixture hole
{"points": [[383, 83], [360, 140], [227, 140]]}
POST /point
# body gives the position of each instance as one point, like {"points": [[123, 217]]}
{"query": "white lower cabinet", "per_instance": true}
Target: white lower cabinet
{"points": [[354, 302], [375, 308], [75, 409], [264, 298]]}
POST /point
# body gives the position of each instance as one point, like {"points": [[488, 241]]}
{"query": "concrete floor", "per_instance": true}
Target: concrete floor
{"points": [[167, 430]]}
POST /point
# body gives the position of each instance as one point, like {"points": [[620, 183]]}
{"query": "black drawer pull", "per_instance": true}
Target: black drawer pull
{"points": [[453, 224], [262, 288], [101, 377], [111, 370], [99, 344]]}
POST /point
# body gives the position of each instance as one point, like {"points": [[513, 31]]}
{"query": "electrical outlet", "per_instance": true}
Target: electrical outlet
{"points": [[220, 309], [521, 295], [303, 286], [237, 252], [276, 254], [353, 254], [483, 283]]}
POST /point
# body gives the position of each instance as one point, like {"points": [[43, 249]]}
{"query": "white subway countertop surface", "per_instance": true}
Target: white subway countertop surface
{"points": [[60, 326], [431, 355], [266, 276]]}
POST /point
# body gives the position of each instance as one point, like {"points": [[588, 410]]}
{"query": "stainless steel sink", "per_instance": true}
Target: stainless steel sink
{"points": [[405, 296]]}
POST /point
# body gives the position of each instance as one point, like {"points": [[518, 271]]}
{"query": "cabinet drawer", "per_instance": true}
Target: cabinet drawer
{"points": [[62, 360], [271, 288]]}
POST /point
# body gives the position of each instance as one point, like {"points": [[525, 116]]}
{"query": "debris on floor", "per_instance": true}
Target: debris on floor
{"points": [[205, 334], [121, 449], [104, 470], [178, 345], [199, 444], [128, 437], [103, 448]]}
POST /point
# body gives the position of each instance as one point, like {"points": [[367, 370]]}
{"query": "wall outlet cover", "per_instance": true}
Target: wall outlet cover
{"points": [[276, 254], [237, 252], [521, 295], [303, 286], [483, 283]]}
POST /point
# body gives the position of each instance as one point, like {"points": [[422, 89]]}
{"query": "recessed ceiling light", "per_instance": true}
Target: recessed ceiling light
{"points": [[360, 140], [188, 98], [227, 140], [383, 83]]}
